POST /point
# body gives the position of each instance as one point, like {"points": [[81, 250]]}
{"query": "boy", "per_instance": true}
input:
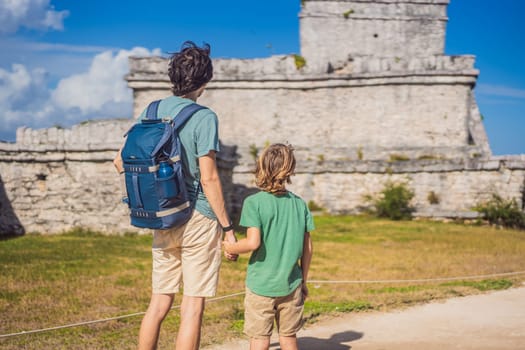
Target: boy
{"points": [[278, 224]]}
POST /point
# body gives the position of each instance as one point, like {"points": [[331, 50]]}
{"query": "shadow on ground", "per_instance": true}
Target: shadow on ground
{"points": [[335, 342]]}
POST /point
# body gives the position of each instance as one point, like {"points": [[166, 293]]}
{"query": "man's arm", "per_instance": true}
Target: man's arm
{"points": [[119, 165], [211, 185], [246, 245]]}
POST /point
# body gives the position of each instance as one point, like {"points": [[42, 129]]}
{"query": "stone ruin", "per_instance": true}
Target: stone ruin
{"points": [[371, 99]]}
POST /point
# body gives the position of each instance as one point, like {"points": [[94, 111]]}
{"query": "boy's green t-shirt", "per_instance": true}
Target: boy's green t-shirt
{"points": [[198, 137], [274, 269]]}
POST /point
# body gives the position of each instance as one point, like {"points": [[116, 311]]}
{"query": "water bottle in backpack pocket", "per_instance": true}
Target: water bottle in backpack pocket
{"points": [[166, 181]]}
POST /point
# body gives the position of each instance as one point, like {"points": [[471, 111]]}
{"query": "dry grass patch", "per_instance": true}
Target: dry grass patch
{"points": [[55, 280]]}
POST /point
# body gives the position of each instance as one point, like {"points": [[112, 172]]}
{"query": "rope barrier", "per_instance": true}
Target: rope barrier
{"points": [[241, 293], [105, 319], [419, 280]]}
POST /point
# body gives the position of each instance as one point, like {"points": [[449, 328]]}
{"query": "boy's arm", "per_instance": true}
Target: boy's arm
{"points": [[245, 245], [306, 259]]}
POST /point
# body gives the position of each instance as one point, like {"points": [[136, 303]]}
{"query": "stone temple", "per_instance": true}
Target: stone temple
{"points": [[370, 99]]}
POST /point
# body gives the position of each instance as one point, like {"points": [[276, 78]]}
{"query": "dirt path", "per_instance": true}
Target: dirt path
{"points": [[493, 321]]}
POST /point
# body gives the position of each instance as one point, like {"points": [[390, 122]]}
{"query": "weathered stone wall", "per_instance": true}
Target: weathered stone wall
{"points": [[458, 185], [48, 190], [376, 101], [427, 101], [350, 28], [56, 179], [52, 196], [362, 111], [328, 120]]}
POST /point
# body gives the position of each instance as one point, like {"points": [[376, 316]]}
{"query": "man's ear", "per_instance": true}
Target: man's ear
{"points": [[201, 90]]}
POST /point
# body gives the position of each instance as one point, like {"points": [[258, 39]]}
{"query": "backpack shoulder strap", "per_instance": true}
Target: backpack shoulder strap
{"points": [[151, 112], [185, 114], [181, 118]]}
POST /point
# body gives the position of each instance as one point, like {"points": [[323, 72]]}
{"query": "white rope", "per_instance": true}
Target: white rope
{"points": [[105, 319], [241, 293], [419, 280]]}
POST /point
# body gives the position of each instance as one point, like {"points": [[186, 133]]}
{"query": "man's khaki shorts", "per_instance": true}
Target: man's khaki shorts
{"points": [[190, 254], [260, 313]]}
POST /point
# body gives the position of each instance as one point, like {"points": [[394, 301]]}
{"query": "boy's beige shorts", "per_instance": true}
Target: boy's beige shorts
{"points": [[189, 254], [260, 313]]}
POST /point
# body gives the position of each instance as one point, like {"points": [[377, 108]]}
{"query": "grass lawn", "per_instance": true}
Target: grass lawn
{"points": [[54, 280]]}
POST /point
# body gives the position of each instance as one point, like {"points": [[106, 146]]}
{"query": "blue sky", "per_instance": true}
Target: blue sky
{"points": [[62, 61]]}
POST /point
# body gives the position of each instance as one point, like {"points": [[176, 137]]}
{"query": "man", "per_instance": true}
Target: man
{"points": [[190, 254]]}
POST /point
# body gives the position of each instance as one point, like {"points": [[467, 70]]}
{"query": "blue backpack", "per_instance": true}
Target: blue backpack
{"points": [[155, 201]]}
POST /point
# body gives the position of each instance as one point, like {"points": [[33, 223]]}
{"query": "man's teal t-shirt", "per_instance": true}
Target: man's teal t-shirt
{"points": [[198, 137], [274, 269]]}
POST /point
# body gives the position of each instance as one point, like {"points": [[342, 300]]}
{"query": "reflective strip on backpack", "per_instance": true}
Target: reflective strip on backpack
{"points": [[173, 210], [140, 168], [141, 213], [153, 168]]}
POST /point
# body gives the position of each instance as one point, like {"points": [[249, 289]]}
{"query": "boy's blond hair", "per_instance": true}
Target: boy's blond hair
{"points": [[274, 168]]}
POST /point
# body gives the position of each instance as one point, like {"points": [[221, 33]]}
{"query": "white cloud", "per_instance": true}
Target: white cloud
{"points": [[87, 86], [20, 91], [25, 46], [103, 83], [31, 14], [59, 60], [101, 92], [500, 90]]}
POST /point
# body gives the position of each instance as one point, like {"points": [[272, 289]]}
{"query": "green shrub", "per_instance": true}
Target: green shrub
{"points": [[254, 151], [313, 206], [360, 153], [347, 14], [398, 158], [394, 202], [428, 157], [501, 212], [432, 197], [483, 286], [300, 62]]}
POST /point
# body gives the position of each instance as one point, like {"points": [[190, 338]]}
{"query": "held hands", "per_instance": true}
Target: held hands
{"points": [[227, 243]]}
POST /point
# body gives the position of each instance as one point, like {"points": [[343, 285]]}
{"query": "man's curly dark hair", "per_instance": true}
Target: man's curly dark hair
{"points": [[190, 68]]}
